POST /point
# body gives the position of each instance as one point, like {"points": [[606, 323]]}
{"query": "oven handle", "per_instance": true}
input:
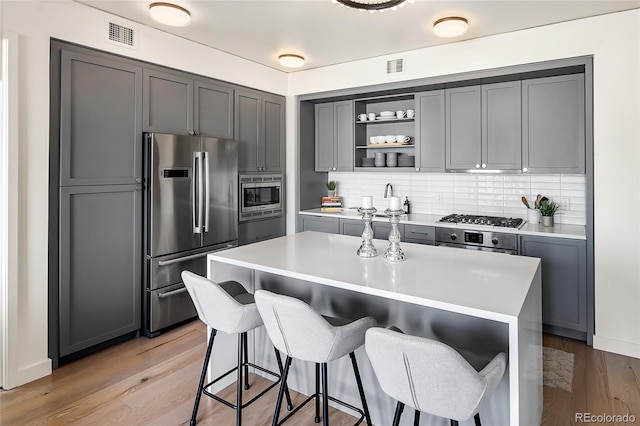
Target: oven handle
{"points": [[171, 293], [479, 248]]}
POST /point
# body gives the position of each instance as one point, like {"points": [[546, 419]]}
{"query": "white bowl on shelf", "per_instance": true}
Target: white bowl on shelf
{"points": [[387, 114]]}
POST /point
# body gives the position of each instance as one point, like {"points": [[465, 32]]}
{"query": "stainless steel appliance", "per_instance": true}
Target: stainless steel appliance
{"points": [[485, 240], [260, 196], [190, 210]]}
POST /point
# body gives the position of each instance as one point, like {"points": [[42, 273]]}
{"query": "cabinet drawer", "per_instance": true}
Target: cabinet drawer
{"points": [[420, 234]]}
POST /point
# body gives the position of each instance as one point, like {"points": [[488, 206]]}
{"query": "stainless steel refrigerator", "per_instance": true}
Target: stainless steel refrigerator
{"points": [[191, 209]]}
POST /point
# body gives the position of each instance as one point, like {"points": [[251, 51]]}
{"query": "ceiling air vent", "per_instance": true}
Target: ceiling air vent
{"points": [[395, 66], [121, 35]]}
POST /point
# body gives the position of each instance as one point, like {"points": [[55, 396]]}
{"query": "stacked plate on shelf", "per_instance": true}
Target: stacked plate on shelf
{"points": [[406, 160], [368, 162]]}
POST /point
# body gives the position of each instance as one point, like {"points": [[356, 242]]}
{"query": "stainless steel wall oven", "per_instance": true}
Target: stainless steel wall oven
{"points": [[260, 196]]}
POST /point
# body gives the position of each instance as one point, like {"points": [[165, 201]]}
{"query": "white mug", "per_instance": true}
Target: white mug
{"points": [[410, 113], [379, 139], [400, 114], [402, 138], [390, 138], [363, 117], [372, 116]]}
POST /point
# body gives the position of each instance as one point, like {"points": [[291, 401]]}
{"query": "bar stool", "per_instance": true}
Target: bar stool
{"points": [[299, 331], [229, 308], [430, 376]]}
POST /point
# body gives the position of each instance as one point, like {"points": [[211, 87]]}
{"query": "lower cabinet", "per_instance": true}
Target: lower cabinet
{"points": [[260, 230], [100, 264], [564, 283], [351, 227], [329, 225], [381, 230]]}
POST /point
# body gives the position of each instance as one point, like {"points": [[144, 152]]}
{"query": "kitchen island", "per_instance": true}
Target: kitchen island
{"points": [[480, 303]]}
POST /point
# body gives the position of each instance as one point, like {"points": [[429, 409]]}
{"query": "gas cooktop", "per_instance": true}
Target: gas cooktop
{"points": [[503, 222]]}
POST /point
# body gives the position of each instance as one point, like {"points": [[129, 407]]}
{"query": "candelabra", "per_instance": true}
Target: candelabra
{"points": [[394, 253], [367, 249]]}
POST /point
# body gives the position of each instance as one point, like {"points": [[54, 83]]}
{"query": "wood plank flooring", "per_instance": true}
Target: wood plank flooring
{"points": [[153, 381]]}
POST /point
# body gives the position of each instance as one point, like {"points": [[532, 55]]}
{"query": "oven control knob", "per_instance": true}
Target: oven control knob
{"points": [[495, 241], [453, 237]]}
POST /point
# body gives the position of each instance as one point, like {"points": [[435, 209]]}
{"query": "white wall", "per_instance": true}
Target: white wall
{"points": [[614, 40], [35, 22]]}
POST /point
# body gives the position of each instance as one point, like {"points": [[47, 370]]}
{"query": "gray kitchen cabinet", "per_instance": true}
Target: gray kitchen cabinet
{"points": [[259, 129], [483, 127], [100, 264], [381, 230], [320, 224], [334, 136], [100, 121], [430, 143], [260, 230], [178, 104], [564, 283], [553, 124], [351, 227], [420, 234]]}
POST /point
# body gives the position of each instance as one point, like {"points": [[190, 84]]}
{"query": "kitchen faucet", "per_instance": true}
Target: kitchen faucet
{"points": [[386, 188]]}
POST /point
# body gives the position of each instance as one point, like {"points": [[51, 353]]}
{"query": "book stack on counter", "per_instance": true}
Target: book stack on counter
{"points": [[331, 203]]}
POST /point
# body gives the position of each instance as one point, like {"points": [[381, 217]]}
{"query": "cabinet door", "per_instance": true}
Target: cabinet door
{"points": [[463, 126], [320, 224], [272, 150], [213, 110], [101, 121], [430, 125], [168, 103], [553, 124], [382, 230], [325, 132], [564, 282], [247, 129], [100, 264], [420, 234], [260, 230], [343, 141], [501, 126], [351, 227]]}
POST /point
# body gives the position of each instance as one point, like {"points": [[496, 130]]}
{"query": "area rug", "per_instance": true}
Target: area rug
{"points": [[557, 367]]}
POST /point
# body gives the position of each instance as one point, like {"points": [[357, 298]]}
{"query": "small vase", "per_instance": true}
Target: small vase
{"points": [[331, 193], [547, 220]]}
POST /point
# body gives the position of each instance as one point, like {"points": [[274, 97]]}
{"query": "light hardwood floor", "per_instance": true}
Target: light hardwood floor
{"points": [[152, 382]]}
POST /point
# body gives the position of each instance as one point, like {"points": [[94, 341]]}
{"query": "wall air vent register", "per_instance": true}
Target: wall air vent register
{"points": [[120, 35]]}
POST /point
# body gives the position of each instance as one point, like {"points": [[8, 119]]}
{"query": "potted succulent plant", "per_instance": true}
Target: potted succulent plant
{"points": [[331, 188], [547, 210]]}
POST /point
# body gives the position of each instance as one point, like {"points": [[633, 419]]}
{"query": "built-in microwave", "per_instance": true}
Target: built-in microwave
{"points": [[260, 196]]}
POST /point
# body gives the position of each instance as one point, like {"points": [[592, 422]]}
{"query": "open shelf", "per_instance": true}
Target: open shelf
{"points": [[391, 120], [386, 145]]}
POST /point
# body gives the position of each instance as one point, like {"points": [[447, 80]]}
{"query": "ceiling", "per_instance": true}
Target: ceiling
{"points": [[327, 34]]}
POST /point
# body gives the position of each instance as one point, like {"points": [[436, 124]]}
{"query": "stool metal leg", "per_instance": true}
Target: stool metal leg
{"points": [[203, 375], [454, 422], [476, 419], [416, 418], [365, 408], [241, 342], [286, 389], [325, 396], [317, 418], [246, 360], [398, 414], [283, 385]]}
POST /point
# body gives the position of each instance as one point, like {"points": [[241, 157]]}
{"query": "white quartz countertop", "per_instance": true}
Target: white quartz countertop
{"points": [[482, 284], [558, 231]]}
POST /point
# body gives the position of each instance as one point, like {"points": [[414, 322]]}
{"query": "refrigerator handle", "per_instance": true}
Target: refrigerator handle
{"points": [[207, 191], [196, 192]]}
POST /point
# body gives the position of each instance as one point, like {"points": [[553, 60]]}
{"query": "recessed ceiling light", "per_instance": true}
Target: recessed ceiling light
{"points": [[170, 14], [453, 26], [291, 61]]}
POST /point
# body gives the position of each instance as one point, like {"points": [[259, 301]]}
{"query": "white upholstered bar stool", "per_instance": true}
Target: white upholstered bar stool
{"points": [[296, 329], [230, 308], [430, 376]]}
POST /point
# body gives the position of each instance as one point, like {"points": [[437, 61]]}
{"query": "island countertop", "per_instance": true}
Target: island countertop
{"points": [[482, 284]]}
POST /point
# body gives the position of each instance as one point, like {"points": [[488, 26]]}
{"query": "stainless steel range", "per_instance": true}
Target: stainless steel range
{"points": [[485, 240]]}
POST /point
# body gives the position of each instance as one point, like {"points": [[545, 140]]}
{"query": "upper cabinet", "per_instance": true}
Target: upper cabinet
{"points": [[100, 121], [553, 124], [334, 136], [177, 104], [259, 129], [430, 107], [483, 127]]}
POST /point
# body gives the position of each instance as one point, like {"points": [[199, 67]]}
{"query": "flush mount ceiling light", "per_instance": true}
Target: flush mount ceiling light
{"points": [[373, 5], [170, 14], [291, 61], [453, 26]]}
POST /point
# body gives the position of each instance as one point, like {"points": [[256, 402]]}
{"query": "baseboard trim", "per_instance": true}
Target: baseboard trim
{"points": [[616, 346], [28, 374]]}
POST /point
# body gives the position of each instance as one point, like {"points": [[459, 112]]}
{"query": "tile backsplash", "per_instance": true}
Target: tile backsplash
{"points": [[469, 193]]}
